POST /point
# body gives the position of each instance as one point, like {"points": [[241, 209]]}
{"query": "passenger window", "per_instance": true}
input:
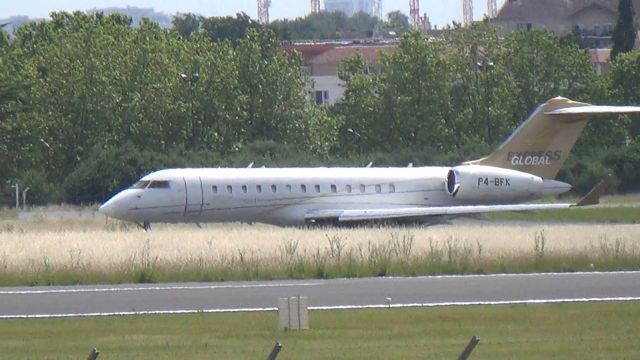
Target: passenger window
{"points": [[159, 184], [392, 188], [317, 188], [140, 184], [348, 188], [289, 187], [244, 189], [259, 188], [303, 188], [334, 188], [362, 188], [214, 189], [229, 189], [274, 188], [378, 188]]}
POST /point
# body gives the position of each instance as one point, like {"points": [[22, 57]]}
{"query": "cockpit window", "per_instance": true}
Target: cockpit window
{"points": [[159, 184], [142, 184]]}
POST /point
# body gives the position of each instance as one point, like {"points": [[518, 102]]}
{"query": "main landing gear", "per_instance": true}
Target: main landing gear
{"points": [[146, 226]]}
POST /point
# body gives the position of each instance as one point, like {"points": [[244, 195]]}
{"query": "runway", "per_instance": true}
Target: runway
{"points": [[69, 301]]}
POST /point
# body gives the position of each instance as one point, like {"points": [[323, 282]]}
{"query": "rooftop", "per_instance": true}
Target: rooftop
{"points": [[554, 9], [337, 52]]}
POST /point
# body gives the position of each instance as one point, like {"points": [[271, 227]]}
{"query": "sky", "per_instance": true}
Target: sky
{"points": [[440, 12]]}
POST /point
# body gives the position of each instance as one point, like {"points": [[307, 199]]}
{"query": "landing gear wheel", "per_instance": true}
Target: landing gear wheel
{"points": [[146, 226]]}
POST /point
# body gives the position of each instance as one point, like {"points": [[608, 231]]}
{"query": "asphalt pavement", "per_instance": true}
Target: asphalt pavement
{"points": [[26, 302]]}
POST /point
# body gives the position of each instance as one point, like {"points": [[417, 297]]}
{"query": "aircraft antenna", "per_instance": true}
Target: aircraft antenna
{"points": [[492, 9], [263, 11], [467, 11], [315, 6]]}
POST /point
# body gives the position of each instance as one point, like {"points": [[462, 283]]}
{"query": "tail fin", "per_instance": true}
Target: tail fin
{"points": [[543, 142]]}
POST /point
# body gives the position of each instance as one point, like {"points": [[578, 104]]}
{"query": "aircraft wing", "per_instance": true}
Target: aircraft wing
{"points": [[416, 212], [343, 215], [595, 110]]}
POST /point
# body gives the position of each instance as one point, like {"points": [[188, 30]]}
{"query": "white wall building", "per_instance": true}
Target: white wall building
{"points": [[322, 61]]}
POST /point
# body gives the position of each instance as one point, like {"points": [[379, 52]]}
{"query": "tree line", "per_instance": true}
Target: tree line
{"points": [[88, 104]]}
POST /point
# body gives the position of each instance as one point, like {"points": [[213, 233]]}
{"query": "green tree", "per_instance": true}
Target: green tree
{"points": [[322, 25], [624, 79], [414, 94], [186, 24], [624, 33], [480, 96], [397, 22], [363, 23], [539, 67], [359, 109], [405, 106], [623, 84], [11, 103], [214, 100], [228, 28], [325, 25], [274, 96]]}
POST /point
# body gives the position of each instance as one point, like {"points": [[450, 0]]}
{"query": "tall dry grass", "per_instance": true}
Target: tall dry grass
{"points": [[80, 250]]}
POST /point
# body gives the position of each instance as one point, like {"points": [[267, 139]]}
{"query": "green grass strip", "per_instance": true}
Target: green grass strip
{"points": [[618, 215], [559, 331]]}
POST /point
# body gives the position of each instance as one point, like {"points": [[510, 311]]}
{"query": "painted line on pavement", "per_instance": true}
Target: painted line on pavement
{"points": [[338, 307], [155, 288]]}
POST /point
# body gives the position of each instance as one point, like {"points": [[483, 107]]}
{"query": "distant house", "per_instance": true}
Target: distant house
{"points": [[322, 61], [600, 59], [592, 20]]}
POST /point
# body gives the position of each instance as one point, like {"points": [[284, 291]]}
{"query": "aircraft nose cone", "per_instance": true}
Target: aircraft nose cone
{"points": [[116, 207], [106, 209]]}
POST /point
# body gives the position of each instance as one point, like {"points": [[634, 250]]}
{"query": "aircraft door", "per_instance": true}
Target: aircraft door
{"points": [[193, 194]]}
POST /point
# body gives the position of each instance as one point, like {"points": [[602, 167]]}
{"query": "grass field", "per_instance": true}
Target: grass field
{"points": [[69, 251], [72, 251], [80, 250], [560, 331], [624, 214]]}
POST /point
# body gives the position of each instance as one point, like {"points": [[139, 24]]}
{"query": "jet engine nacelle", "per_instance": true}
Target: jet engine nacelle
{"points": [[492, 184]]}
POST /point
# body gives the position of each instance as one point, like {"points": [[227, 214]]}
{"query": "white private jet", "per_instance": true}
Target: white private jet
{"points": [[523, 168]]}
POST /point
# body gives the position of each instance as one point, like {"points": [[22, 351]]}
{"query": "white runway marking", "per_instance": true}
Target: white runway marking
{"points": [[471, 276], [154, 288], [477, 303], [278, 285], [340, 307]]}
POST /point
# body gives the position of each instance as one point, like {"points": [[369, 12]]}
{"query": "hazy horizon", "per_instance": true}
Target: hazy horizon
{"points": [[440, 13]]}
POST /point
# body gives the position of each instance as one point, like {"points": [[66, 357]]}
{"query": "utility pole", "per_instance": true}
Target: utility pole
{"points": [[414, 11], [263, 11], [492, 9], [24, 198], [377, 9], [17, 187], [315, 6], [467, 11]]}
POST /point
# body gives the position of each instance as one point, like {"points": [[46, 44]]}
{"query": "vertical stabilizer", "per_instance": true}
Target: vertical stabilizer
{"points": [[543, 142]]}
